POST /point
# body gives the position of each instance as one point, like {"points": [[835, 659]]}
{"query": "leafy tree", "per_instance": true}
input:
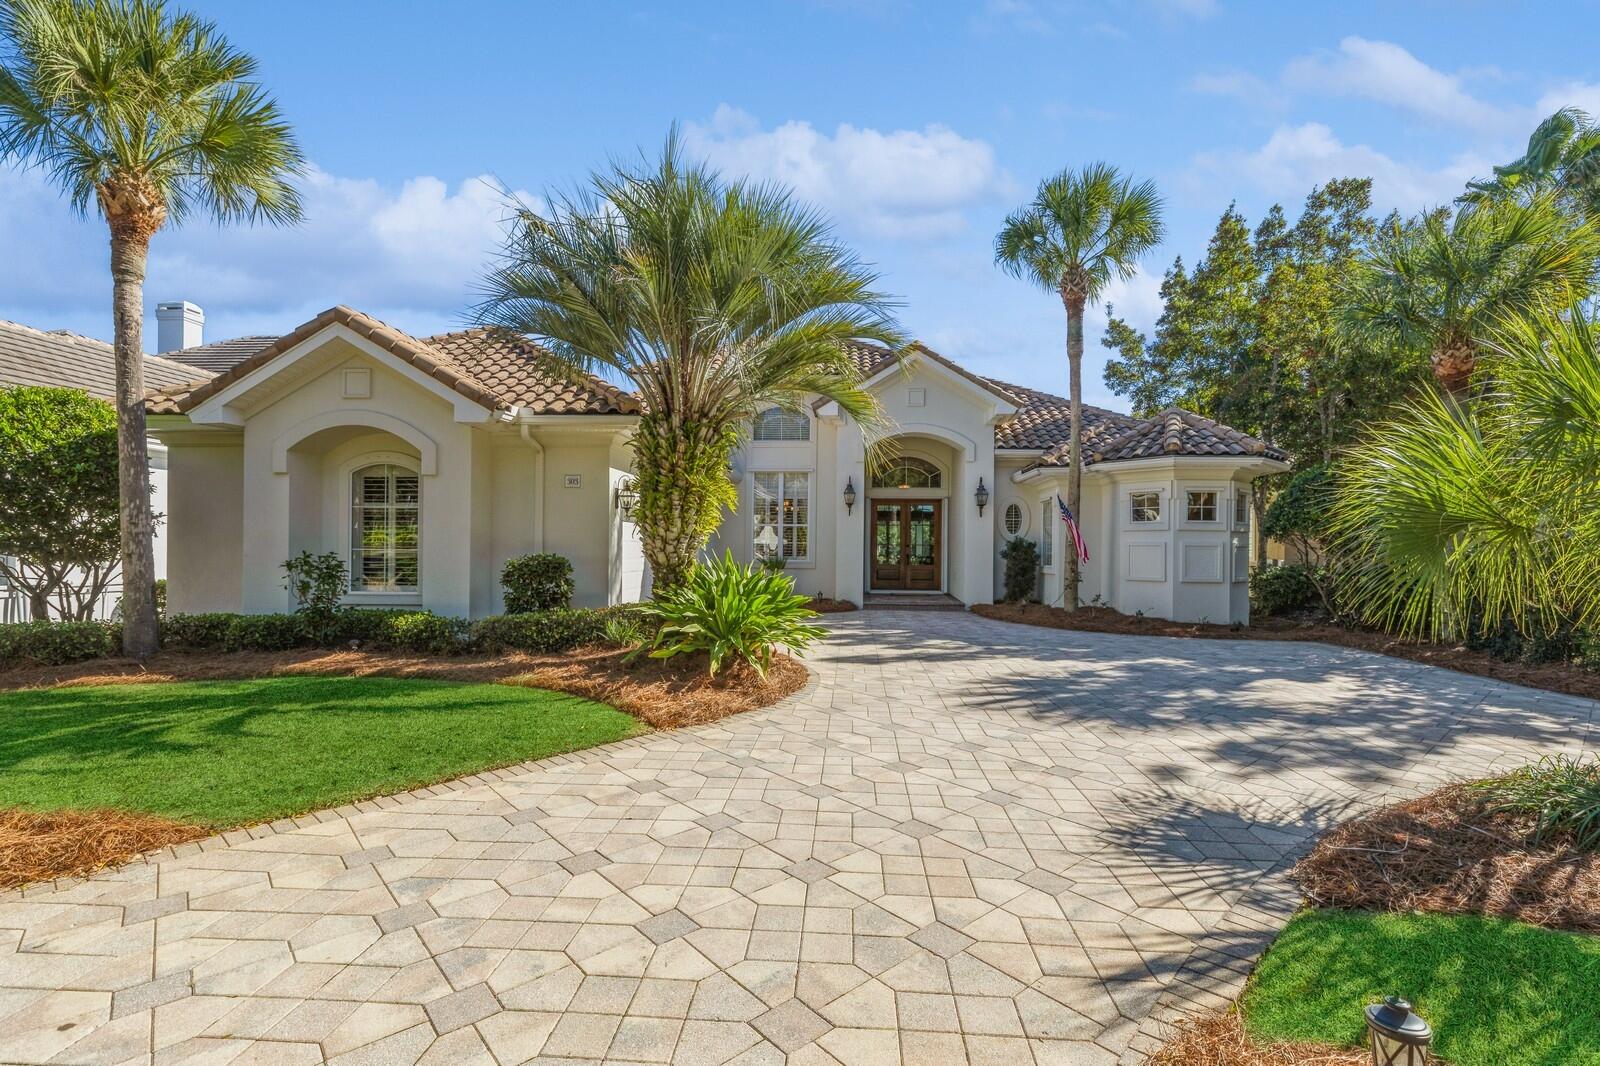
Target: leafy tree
{"points": [[149, 115], [1563, 157], [1082, 229], [1439, 284], [712, 299], [1300, 512], [1459, 516], [59, 538]]}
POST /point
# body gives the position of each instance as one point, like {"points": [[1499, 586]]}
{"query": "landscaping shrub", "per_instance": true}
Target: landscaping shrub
{"points": [[1561, 793], [267, 632], [730, 611], [425, 633], [541, 631], [626, 630], [54, 643], [541, 582], [208, 630], [1279, 589], [1021, 557]]}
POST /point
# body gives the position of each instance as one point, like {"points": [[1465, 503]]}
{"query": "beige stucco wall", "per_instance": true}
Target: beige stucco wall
{"points": [[204, 523]]}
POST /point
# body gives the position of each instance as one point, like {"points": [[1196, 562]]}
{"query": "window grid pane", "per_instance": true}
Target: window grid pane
{"points": [[1202, 506], [775, 424], [1146, 506], [782, 510], [1013, 519], [1047, 540], [385, 529]]}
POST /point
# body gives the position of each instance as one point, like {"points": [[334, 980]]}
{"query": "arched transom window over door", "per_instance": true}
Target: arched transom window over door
{"points": [[908, 472], [385, 525]]}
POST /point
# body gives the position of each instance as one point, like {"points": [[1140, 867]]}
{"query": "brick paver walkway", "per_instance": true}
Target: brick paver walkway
{"points": [[967, 841]]}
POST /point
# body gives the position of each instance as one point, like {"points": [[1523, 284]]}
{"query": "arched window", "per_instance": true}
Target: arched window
{"points": [[908, 472], [385, 523], [776, 424]]}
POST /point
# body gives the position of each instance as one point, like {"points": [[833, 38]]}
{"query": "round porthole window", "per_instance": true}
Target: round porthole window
{"points": [[1015, 519]]}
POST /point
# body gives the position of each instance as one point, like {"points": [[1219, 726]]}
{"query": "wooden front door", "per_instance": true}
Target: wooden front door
{"points": [[906, 548]]}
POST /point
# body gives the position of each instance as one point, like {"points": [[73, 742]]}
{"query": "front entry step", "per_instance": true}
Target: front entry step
{"points": [[932, 601]]}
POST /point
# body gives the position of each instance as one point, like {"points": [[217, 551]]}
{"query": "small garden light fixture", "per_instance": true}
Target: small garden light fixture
{"points": [[849, 495], [982, 496], [1398, 1036], [627, 498]]}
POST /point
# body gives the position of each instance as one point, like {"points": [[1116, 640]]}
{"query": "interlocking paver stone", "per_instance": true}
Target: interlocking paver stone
{"points": [[1012, 845]]}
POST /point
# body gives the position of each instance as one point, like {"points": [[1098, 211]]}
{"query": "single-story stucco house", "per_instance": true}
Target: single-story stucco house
{"points": [[428, 462]]}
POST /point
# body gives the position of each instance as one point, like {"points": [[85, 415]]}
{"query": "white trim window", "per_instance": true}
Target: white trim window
{"points": [[1047, 538], [783, 515], [1200, 505], [777, 425], [1015, 520], [1241, 510], [1144, 506], [385, 529]]}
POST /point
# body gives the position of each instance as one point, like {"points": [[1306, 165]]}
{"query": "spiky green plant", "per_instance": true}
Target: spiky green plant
{"points": [[1458, 514], [1561, 793], [713, 299], [732, 612], [150, 115], [1082, 229]]}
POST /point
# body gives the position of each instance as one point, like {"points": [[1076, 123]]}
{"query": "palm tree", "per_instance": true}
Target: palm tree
{"points": [[1440, 283], [1451, 518], [1563, 157], [712, 299], [1082, 229], [150, 115]]}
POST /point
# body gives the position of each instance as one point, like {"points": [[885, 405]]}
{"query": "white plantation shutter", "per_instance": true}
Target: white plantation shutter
{"points": [[385, 529]]}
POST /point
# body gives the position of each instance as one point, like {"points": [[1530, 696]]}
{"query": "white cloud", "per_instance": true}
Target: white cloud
{"points": [[1240, 85], [1582, 95], [913, 184], [412, 253], [1385, 72], [1295, 158]]}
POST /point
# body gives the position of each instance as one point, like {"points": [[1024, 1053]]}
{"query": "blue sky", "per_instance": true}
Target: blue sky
{"points": [[916, 126]]}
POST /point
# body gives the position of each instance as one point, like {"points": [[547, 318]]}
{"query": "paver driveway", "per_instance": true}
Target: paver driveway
{"points": [[967, 840]]}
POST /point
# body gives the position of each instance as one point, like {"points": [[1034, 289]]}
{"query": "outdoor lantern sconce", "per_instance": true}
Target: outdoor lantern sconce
{"points": [[849, 495], [627, 498], [982, 496], [1398, 1037]]}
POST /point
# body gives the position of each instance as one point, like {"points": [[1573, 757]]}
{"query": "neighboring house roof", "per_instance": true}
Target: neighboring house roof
{"points": [[31, 356], [493, 369], [219, 356]]}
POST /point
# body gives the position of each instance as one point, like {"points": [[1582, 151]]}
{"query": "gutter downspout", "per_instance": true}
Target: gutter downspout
{"points": [[538, 485]]}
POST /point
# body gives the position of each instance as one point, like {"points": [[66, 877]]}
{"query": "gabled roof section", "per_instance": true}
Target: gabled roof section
{"points": [[63, 359], [496, 370], [1173, 432], [220, 356], [872, 360]]}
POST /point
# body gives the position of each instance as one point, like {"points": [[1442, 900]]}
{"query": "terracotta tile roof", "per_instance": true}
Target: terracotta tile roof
{"points": [[1045, 421], [1172, 432], [31, 356], [491, 369], [219, 356]]}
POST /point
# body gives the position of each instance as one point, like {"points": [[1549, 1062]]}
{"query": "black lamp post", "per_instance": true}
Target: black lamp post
{"points": [[1398, 1037], [982, 496], [849, 495]]}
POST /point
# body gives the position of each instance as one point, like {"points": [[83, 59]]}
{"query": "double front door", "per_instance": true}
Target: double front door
{"points": [[906, 552]]}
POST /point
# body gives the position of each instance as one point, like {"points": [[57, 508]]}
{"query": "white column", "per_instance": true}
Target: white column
{"points": [[849, 530]]}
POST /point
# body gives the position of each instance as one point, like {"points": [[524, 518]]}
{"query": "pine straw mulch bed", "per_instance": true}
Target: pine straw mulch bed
{"points": [[663, 693], [1556, 677], [40, 847], [666, 694], [829, 605], [1220, 1040], [1445, 853]]}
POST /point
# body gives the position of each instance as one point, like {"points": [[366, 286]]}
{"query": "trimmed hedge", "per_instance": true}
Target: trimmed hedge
{"points": [[541, 582], [1276, 589], [54, 643], [421, 632], [543, 631]]}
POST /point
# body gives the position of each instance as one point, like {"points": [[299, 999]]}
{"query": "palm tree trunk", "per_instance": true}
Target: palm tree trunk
{"points": [[681, 471], [1075, 306], [140, 636], [1454, 359]]}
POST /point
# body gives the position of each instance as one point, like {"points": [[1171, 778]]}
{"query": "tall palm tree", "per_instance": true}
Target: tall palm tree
{"points": [[712, 299], [1563, 157], [149, 115], [1082, 229], [1440, 284]]}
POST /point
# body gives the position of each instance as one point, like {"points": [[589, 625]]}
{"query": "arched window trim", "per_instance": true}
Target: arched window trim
{"points": [[776, 425], [897, 474]]}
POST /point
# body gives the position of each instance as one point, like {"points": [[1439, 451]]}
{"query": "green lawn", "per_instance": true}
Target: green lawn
{"points": [[231, 752], [1497, 993]]}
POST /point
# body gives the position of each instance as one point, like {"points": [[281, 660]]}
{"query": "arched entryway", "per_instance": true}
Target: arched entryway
{"points": [[907, 528]]}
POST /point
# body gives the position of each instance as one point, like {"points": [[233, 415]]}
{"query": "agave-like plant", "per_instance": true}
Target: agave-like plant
{"points": [[1458, 514], [732, 612]]}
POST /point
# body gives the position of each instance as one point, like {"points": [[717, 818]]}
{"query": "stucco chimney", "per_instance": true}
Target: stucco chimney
{"points": [[179, 325]]}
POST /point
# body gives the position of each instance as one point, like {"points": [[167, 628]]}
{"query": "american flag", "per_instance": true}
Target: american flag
{"points": [[1072, 527]]}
